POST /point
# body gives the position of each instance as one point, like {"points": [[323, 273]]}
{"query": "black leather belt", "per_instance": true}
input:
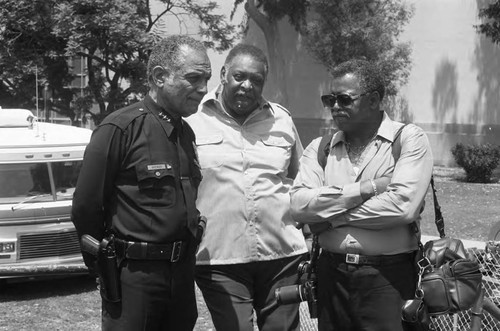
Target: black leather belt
{"points": [[370, 259], [172, 252]]}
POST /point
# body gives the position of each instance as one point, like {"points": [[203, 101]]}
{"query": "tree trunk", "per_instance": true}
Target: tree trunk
{"points": [[94, 86], [277, 63]]}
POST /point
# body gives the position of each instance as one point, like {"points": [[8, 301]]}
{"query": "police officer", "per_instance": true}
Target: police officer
{"points": [[138, 183]]}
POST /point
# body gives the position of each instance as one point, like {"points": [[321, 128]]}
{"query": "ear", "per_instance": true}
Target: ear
{"points": [[374, 100], [159, 74], [223, 79]]}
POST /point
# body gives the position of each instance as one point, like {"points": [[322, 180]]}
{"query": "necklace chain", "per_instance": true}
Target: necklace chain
{"points": [[356, 153]]}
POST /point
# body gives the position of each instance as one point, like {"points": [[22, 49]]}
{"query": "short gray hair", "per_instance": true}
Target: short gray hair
{"points": [[166, 53]]}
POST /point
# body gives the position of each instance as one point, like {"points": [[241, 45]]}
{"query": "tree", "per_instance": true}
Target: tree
{"points": [[344, 29], [491, 28], [112, 36], [337, 30], [29, 49], [267, 14]]}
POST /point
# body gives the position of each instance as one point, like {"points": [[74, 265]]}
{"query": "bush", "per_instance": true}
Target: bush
{"points": [[478, 161]]}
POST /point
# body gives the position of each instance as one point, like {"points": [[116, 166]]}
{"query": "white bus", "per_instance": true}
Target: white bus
{"points": [[39, 166]]}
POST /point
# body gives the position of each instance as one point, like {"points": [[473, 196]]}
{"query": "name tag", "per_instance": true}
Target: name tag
{"points": [[152, 167]]}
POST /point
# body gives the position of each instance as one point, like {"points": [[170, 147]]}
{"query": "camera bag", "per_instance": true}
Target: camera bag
{"points": [[449, 279]]}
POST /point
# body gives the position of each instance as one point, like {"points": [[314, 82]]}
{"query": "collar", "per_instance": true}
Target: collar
{"points": [[386, 130], [163, 115], [214, 97]]}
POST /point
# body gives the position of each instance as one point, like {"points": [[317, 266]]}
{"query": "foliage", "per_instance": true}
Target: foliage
{"points": [[478, 161], [28, 48], [490, 28], [112, 36], [275, 10], [339, 30]]}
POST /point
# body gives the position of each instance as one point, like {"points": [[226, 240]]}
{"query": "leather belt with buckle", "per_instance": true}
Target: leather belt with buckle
{"points": [[172, 252], [350, 258]]}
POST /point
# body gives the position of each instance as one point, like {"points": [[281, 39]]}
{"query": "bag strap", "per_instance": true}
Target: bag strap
{"points": [[396, 144], [438, 216], [324, 149]]}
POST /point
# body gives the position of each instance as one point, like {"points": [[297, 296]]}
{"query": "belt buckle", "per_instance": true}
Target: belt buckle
{"points": [[176, 251], [352, 258]]}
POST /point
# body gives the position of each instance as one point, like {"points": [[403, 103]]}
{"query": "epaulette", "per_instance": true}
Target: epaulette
{"points": [[273, 104], [124, 116]]}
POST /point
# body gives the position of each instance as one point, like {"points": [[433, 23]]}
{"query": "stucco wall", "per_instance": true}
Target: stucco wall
{"points": [[454, 86]]}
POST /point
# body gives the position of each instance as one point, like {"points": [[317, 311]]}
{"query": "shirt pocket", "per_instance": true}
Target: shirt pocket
{"points": [[156, 183], [276, 153], [210, 150], [277, 142]]}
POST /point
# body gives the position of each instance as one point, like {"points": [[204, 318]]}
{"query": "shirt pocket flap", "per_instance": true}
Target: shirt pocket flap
{"points": [[208, 139], [276, 141], [148, 175]]}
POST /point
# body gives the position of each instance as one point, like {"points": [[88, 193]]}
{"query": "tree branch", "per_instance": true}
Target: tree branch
{"points": [[260, 19]]}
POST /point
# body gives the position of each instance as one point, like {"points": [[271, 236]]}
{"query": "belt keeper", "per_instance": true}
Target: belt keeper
{"points": [[176, 251]]}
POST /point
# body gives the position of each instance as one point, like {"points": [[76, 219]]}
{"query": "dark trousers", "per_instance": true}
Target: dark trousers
{"points": [[156, 295], [363, 297], [233, 291]]}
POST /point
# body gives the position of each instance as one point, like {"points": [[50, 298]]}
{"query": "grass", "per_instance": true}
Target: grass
{"points": [[469, 211]]}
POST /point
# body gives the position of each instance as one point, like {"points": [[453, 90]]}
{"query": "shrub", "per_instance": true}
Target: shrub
{"points": [[478, 161]]}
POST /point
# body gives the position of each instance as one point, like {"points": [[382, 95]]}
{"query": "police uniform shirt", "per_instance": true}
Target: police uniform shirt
{"points": [[130, 178]]}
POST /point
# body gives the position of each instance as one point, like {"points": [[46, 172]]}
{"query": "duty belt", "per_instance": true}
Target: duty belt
{"points": [[370, 259], [172, 252]]}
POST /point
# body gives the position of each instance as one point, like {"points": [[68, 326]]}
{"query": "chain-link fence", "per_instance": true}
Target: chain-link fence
{"points": [[489, 259]]}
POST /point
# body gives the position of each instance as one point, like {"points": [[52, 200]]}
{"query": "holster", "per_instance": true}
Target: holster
{"points": [[109, 273]]}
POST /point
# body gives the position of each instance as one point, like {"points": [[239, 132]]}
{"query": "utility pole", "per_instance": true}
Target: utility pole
{"points": [[47, 112]]}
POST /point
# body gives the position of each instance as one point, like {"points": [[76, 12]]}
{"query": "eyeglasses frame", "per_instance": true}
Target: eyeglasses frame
{"points": [[353, 98]]}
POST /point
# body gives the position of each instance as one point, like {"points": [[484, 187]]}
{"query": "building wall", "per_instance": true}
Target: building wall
{"points": [[454, 86]]}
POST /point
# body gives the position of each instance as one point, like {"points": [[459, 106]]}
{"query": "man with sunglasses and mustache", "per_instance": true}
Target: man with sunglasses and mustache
{"points": [[248, 149], [362, 194]]}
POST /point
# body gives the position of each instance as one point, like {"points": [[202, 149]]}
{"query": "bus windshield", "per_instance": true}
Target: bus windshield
{"points": [[48, 181]]}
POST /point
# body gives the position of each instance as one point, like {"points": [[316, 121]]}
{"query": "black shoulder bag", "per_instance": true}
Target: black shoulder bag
{"points": [[449, 280]]}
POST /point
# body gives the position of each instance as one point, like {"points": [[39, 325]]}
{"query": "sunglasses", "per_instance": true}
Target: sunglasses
{"points": [[344, 99]]}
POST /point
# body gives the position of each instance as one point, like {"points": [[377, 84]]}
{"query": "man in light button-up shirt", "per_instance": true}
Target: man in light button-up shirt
{"points": [[369, 195], [248, 150]]}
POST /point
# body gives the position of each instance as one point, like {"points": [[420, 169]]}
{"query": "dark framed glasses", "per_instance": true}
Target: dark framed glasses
{"points": [[343, 99]]}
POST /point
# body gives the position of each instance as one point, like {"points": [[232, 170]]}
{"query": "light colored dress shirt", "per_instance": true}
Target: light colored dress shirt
{"points": [[245, 188], [380, 225]]}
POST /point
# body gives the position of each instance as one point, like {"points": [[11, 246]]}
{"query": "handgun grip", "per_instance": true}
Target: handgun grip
{"points": [[90, 245]]}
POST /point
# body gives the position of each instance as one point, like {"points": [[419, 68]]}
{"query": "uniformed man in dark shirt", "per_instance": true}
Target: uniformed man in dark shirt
{"points": [[138, 183]]}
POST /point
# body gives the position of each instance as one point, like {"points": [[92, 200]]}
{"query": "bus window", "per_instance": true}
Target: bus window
{"points": [[22, 180], [65, 177]]}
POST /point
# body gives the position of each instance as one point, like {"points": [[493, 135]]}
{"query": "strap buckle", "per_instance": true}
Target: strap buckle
{"points": [[176, 251], [352, 258]]}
